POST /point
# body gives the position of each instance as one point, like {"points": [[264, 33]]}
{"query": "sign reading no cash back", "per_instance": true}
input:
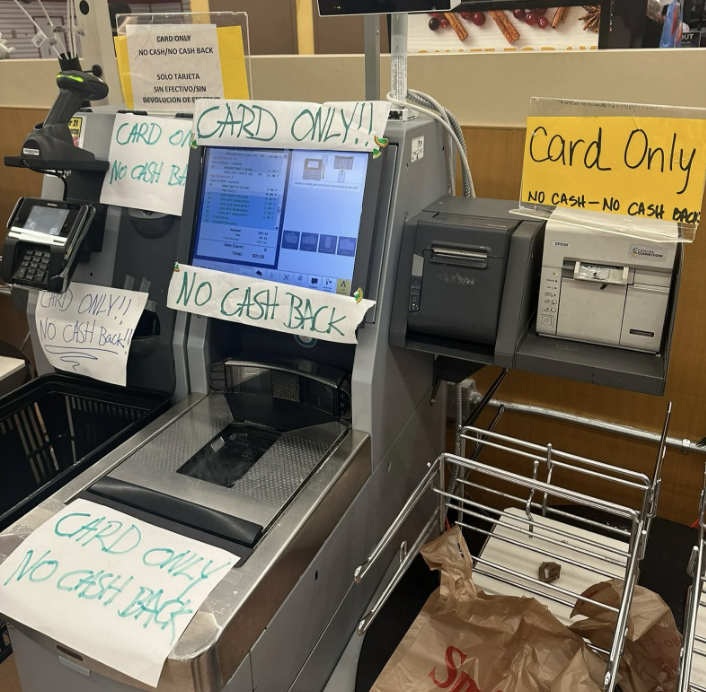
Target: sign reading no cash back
{"points": [[646, 167]]}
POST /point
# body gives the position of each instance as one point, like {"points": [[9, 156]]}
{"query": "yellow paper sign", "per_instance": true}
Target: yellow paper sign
{"points": [[652, 168], [231, 52]]}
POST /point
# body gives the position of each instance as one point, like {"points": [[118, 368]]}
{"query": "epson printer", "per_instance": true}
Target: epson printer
{"points": [[603, 287]]}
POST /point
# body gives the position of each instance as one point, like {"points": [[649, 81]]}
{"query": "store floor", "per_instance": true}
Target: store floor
{"points": [[9, 681]]}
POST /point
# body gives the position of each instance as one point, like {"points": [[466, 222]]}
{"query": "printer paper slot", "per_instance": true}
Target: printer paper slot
{"points": [[449, 254]]}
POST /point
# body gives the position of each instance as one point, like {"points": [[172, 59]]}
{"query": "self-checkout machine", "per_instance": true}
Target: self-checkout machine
{"points": [[296, 445]]}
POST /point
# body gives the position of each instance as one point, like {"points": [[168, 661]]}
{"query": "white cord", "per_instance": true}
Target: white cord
{"points": [[69, 19], [451, 156], [51, 24], [36, 26], [446, 126]]}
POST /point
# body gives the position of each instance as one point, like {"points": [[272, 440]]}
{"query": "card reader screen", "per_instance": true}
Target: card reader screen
{"points": [[46, 220], [285, 215]]}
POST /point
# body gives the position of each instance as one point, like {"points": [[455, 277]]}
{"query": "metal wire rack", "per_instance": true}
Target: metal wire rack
{"points": [[692, 666], [547, 506]]}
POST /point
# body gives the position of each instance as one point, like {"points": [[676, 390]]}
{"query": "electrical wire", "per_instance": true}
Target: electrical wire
{"points": [[69, 19], [36, 26], [61, 177], [428, 101], [51, 24], [425, 100], [465, 168]]}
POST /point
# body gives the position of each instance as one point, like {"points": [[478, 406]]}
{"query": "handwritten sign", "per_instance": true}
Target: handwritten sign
{"points": [[109, 586], [88, 330], [302, 312], [646, 167], [344, 126], [148, 160]]}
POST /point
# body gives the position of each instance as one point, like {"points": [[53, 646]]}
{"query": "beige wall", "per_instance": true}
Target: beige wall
{"points": [[486, 89]]}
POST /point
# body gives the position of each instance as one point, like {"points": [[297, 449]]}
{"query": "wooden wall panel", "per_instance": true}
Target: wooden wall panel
{"points": [[496, 161], [15, 124]]}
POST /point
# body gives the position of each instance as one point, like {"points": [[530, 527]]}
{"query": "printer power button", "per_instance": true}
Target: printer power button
{"points": [[546, 320]]}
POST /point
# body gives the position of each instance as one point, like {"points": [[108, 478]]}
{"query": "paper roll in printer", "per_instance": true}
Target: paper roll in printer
{"points": [[604, 288]]}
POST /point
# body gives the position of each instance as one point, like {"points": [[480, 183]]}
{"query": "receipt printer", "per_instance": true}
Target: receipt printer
{"points": [[43, 242], [465, 279], [604, 288]]}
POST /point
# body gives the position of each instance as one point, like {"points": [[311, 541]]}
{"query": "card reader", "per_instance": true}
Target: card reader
{"points": [[43, 241]]}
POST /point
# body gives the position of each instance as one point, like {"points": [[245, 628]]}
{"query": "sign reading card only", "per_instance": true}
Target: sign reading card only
{"points": [[637, 166], [336, 126], [111, 587], [302, 312]]}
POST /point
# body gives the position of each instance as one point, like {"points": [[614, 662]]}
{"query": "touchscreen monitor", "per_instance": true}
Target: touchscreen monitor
{"points": [[291, 216]]}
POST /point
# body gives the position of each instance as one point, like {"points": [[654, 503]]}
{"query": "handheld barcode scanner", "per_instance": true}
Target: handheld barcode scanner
{"points": [[52, 140]]}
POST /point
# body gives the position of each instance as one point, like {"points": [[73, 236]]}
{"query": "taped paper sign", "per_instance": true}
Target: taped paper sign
{"points": [[110, 587], [302, 312], [148, 160], [646, 167], [169, 66], [341, 126], [88, 330]]}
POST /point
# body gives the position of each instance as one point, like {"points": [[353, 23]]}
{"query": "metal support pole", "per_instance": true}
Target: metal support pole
{"points": [[372, 57]]}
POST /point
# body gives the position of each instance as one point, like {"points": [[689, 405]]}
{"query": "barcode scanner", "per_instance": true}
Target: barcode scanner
{"points": [[75, 87], [50, 144]]}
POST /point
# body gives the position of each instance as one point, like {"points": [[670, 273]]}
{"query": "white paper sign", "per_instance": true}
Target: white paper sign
{"points": [[110, 587], [148, 162], [88, 330], [342, 126], [303, 312], [171, 65]]}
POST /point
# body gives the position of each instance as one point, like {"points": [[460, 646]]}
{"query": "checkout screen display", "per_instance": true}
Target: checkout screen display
{"points": [[280, 214], [46, 220]]}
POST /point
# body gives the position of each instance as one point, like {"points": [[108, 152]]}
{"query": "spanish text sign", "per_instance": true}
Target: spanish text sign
{"points": [[342, 126], [88, 330], [110, 587], [303, 312], [648, 167], [173, 63], [148, 162]]}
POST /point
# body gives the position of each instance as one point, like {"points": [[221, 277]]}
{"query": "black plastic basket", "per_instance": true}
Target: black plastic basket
{"points": [[55, 427]]}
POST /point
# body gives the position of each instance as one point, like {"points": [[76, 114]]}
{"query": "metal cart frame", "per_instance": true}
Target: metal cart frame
{"points": [[451, 477]]}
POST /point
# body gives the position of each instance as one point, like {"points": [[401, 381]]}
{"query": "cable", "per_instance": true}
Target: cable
{"points": [[423, 99], [69, 20], [51, 24], [426, 100], [61, 177], [461, 148], [36, 26]]}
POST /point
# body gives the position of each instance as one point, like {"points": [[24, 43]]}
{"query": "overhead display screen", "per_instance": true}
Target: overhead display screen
{"points": [[284, 215]]}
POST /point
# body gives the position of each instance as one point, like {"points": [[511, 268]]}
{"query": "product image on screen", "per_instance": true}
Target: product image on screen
{"points": [[46, 220], [283, 215]]}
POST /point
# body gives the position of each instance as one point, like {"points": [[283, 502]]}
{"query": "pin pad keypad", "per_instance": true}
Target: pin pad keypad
{"points": [[33, 266]]}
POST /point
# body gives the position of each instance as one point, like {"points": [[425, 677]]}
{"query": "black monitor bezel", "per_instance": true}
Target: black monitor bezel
{"points": [[366, 230]]}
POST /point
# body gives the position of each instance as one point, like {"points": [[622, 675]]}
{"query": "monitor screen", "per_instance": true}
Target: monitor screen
{"points": [[46, 220], [284, 215]]}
